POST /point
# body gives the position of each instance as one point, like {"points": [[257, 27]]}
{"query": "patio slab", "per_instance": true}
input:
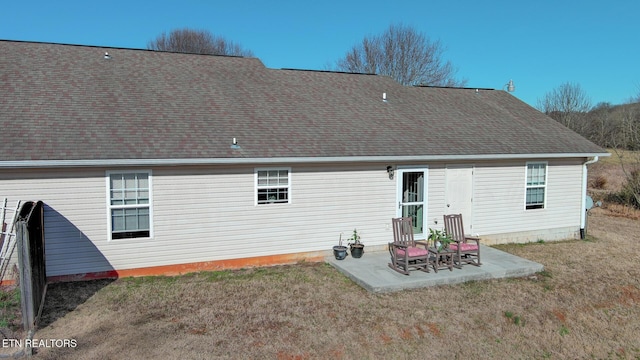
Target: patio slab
{"points": [[372, 272]]}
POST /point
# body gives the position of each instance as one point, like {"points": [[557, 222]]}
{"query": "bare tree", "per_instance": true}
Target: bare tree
{"points": [[629, 129], [630, 165], [196, 42], [404, 54], [567, 104], [636, 98], [602, 128]]}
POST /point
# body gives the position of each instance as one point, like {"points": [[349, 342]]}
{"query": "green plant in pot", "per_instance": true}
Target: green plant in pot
{"points": [[355, 246], [340, 251], [440, 239]]}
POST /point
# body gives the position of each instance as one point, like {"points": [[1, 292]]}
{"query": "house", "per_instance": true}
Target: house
{"points": [[162, 163]]}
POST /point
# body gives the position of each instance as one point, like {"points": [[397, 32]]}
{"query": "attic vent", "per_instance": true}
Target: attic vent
{"points": [[107, 56]]}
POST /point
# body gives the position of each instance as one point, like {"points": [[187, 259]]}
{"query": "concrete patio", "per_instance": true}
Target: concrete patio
{"points": [[372, 272]]}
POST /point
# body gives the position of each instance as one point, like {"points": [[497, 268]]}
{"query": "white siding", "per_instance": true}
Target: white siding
{"points": [[214, 214], [499, 213], [74, 206], [437, 188], [209, 213], [499, 197], [205, 214]]}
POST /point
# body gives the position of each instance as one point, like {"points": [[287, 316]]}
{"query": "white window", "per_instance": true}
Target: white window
{"points": [[129, 204], [273, 186], [536, 187]]}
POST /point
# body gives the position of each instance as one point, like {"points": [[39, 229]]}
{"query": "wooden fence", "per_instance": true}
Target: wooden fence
{"points": [[31, 257]]}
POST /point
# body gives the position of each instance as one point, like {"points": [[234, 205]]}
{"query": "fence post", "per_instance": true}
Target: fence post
{"points": [[31, 257]]}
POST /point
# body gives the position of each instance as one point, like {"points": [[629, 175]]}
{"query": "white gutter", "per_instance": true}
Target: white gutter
{"points": [[583, 214], [281, 160]]}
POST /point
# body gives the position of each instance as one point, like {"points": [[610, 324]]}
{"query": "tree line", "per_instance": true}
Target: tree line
{"points": [[611, 126], [608, 125], [401, 52]]}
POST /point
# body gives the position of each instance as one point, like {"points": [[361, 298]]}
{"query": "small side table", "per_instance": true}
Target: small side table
{"points": [[442, 259]]}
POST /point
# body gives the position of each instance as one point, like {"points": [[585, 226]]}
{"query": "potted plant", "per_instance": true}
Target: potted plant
{"points": [[355, 246], [340, 251], [441, 239]]}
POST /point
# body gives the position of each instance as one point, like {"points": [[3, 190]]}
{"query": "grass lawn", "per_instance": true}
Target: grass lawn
{"points": [[9, 303], [586, 304]]}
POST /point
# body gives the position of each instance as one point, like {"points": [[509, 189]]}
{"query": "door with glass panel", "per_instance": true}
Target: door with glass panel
{"points": [[412, 195]]}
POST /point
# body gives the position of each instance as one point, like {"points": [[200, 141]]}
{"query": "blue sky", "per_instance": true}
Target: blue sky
{"points": [[539, 44]]}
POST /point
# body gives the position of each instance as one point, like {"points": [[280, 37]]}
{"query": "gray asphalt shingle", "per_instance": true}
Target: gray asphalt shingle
{"points": [[67, 102]]}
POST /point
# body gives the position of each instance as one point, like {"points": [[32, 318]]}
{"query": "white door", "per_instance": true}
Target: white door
{"points": [[412, 198], [459, 194]]}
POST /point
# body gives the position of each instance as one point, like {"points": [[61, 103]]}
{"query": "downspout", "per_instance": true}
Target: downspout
{"points": [[583, 214]]}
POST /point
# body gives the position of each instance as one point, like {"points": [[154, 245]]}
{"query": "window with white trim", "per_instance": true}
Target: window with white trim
{"points": [[273, 186], [536, 186], [129, 204]]}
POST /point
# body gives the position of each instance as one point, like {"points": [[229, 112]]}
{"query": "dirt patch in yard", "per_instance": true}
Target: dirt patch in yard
{"points": [[586, 303]]}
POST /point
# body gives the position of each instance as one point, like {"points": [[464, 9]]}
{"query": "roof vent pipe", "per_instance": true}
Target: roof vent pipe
{"points": [[384, 96]]}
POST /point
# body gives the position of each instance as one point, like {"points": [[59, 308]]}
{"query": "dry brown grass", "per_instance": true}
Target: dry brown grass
{"points": [[585, 304], [608, 174]]}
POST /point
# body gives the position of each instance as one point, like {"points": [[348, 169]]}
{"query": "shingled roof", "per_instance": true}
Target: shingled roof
{"points": [[73, 103]]}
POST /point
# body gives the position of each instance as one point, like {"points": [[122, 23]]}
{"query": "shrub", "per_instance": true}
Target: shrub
{"points": [[630, 193], [599, 182]]}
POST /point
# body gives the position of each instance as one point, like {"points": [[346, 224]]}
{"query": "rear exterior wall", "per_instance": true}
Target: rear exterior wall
{"points": [[498, 202], [209, 213]]}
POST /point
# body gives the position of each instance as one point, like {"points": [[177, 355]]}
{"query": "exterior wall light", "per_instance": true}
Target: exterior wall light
{"points": [[390, 172]]}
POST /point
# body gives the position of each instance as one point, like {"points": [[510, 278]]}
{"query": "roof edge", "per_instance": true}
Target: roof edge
{"points": [[283, 160], [111, 47]]}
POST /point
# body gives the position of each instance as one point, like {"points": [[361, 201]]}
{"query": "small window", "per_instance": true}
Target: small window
{"points": [[272, 186], [129, 204], [536, 185]]}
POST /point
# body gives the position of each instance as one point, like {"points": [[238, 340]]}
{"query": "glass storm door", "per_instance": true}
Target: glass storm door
{"points": [[412, 190]]}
